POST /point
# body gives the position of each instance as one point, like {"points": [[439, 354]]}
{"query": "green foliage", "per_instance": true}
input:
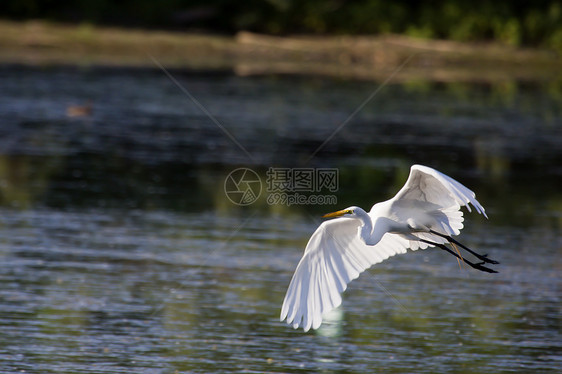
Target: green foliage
{"points": [[555, 41], [513, 23], [508, 32]]}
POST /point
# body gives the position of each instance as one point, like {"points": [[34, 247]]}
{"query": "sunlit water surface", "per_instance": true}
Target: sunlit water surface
{"points": [[120, 251]]}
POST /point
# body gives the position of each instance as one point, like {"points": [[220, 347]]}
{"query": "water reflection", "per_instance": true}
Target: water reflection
{"points": [[120, 250]]}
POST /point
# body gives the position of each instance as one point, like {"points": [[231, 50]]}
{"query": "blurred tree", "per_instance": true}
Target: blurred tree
{"points": [[516, 22]]}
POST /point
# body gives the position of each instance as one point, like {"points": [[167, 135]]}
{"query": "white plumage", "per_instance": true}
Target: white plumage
{"points": [[425, 212]]}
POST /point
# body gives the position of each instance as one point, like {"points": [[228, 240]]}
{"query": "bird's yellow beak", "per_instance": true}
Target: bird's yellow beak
{"points": [[339, 213]]}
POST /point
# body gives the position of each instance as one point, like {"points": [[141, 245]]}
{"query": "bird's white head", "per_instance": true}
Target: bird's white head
{"points": [[347, 212]]}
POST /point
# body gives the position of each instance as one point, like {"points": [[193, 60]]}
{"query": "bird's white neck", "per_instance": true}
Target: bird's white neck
{"points": [[369, 233]]}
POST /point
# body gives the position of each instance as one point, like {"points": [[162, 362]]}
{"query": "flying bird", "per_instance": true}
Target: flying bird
{"points": [[424, 213]]}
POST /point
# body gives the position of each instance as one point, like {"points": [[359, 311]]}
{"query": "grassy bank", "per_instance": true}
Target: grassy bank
{"points": [[41, 43]]}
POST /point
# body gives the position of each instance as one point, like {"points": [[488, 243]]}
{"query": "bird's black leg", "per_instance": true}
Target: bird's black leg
{"points": [[477, 255], [477, 266]]}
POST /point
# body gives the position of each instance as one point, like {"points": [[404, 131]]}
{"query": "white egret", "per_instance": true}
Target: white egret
{"points": [[424, 213]]}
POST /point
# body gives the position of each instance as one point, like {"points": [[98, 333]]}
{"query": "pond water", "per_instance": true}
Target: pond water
{"points": [[121, 251]]}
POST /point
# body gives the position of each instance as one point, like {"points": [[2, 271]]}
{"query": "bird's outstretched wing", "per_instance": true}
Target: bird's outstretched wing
{"points": [[429, 185], [334, 256], [433, 200]]}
